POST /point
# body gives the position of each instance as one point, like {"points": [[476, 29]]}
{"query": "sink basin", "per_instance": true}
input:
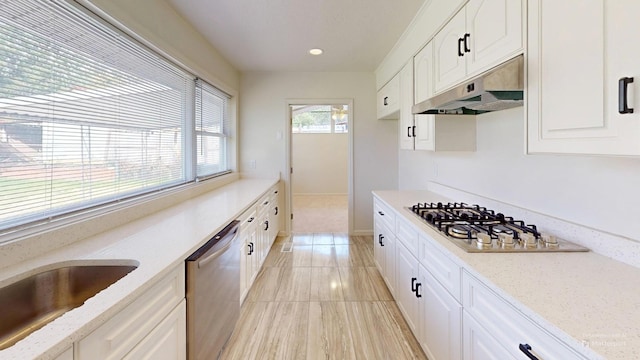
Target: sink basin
{"points": [[30, 303]]}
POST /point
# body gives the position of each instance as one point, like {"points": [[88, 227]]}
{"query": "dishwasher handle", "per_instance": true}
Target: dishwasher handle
{"points": [[216, 245]]}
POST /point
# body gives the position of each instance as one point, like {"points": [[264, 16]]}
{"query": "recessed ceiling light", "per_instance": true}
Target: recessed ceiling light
{"points": [[315, 51]]}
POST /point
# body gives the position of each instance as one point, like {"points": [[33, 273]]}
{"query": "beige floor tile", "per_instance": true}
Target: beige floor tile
{"points": [[300, 255], [266, 285], [329, 334], [354, 255], [322, 239], [362, 240], [342, 239], [324, 256], [302, 238], [325, 284], [243, 343], [295, 284], [363, 284], [377, 335]]}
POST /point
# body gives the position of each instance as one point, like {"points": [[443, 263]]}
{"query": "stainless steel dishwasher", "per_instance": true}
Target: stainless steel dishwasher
{"points": [[213, 294]]}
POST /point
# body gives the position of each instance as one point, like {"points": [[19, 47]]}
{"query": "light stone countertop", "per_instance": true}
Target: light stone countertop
{"points": [[158, 242], [578, 297]]}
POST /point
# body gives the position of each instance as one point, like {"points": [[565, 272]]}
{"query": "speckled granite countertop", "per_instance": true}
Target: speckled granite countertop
{"points": [[158, 242], [579, 297]]}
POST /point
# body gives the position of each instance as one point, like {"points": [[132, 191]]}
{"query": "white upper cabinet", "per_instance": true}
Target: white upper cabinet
{"points": [[579, 80], [388, 99], [480, 36], [407, 130], [436, 132]]}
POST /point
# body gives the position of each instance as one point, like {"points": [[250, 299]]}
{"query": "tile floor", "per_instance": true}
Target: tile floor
{"points": [[323, 300]]}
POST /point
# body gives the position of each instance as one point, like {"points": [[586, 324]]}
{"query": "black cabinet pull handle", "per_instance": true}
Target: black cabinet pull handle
{"points": [[408, 131], [381, 213], [623, 105], [251, 219], [276, 213], [525, 348], [460, 41], [466, 38], [418, 295], [380, 237], [413, 285], [385, 101], [250, 248], [266, 225], [413, 130], [265, 203]]}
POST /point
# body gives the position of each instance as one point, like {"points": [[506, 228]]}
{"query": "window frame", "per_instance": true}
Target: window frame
{"points": [[188, 159]]}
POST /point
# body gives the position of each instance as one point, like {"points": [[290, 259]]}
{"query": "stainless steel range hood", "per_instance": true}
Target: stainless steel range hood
{"points": [[496, 89]]}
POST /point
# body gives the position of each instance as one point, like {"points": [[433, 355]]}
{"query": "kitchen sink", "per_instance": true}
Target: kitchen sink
{"points": [[32, 302]]}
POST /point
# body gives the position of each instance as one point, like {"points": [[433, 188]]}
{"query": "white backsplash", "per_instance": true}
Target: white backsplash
{"points": [[614, 246]]}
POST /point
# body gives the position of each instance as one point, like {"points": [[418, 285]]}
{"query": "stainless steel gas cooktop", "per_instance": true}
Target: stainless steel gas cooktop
{"points": [[477, 229]]}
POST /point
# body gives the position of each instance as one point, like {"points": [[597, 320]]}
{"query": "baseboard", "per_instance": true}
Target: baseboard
{"points": [[323, 194]]}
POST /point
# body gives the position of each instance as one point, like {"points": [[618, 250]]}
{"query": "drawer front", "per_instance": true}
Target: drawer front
{"points": [[384, 214], [508, 325], [115, 338], [479, 344], [447, 272], [407, 235]]}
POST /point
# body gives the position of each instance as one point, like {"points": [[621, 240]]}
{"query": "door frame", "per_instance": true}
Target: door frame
{"points": [[288, 156]]}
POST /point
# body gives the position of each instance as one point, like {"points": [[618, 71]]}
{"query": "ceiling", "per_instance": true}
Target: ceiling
{"points": [[276, 35]]}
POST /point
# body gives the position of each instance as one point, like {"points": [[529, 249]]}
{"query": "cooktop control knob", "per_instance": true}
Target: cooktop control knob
{"points": [[549, 241], [529, 241], [505, 241], [483, 241]]}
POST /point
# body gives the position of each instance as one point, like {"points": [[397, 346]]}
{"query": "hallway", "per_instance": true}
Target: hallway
{"points": [[322, 300]]}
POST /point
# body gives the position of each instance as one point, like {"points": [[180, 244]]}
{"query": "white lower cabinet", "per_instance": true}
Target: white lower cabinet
{"points": [[248, 256], [384, 251], [406, 285], [136, 324], [440, 332], [166, 341], [479, 344], [508, 326]]}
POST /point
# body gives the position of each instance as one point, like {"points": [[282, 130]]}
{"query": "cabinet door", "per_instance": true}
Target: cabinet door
{"points": [[406, 280], [572, 91], [378, 248], [449, 60], [390, 262], [167, 341], [406, 130], [388, 99], [441, 320], [274, 216], [423, 75], [479, 344], [495, 32]]}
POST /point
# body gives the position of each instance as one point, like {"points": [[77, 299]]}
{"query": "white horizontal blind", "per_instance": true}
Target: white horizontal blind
{"points": [[211, 127], [87, 115]]}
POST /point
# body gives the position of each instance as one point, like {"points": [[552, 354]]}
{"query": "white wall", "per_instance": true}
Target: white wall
{"points": [[598, 192], [263, 119], [320, 163]]}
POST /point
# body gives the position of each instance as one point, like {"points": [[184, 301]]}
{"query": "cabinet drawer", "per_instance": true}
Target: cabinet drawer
{"points": [[443, 269], [407, 235], [119, 335], [384, 214], [508, 325]]}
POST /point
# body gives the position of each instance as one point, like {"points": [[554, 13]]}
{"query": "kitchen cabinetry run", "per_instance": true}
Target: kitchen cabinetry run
{"points": [[66, 355], [384, 247], [259, 226], [388, 100], [482, 34], [431, 132], [133, 330], [583, 84]]}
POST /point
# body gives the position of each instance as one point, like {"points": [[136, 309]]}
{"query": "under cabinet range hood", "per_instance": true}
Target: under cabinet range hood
{"points": [[496, 89]]}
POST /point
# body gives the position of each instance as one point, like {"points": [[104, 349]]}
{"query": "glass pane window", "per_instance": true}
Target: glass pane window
{"points": [[211, 130], [319, 119], [87, 115]]}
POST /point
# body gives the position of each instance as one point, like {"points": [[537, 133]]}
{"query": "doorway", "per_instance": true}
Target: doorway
{"points": [[319, 156]]}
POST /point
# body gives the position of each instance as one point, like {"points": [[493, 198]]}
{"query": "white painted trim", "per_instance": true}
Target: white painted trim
{"points": [[362, 233], [320, 194], [288, 143]]}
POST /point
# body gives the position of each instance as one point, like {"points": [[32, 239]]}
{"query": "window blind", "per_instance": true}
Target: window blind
{"points": [[87, 115], [212, 130]]}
